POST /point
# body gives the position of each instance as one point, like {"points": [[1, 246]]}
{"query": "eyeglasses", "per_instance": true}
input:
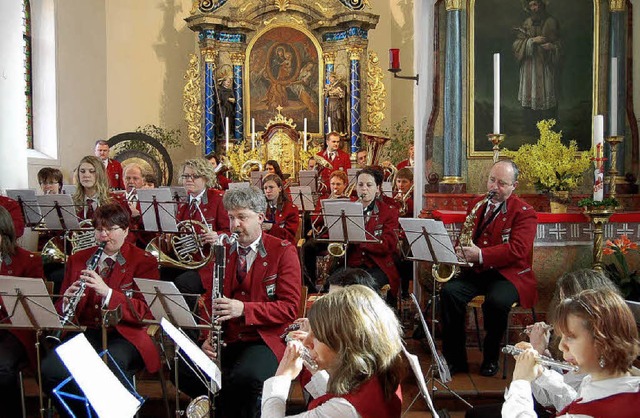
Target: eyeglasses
{"points": [[107, 231], [190, 176], [501, 183], [48, 183]]}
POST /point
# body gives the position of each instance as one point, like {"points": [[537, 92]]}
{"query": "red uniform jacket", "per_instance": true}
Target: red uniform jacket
{"points": [[223, 181], [382, 224], [217, 218], [16, 214], [285, 221], [619, 405], [342, 161], [137, 263], [270, 292], [507, 245], [403, 164], [368, 399], [409, 205], [114, 173], [118, 198], [23, 264]]}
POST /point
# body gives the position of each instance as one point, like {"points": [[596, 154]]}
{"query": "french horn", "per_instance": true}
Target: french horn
{"points": [[247, 167], [183, 250], [53, 250]]}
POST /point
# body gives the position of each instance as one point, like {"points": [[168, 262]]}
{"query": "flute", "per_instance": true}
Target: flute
{"points": [[304, 354], [542, 360]]}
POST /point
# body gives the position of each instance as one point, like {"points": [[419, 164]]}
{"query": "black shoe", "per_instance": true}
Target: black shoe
{"points": [[458, 368], [489, 368]]}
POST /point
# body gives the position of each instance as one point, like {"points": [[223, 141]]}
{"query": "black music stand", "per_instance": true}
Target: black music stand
{"points": [[429, 241], [158, 210], [58, 212], [29, 306], [345, 223], [29, 206]]}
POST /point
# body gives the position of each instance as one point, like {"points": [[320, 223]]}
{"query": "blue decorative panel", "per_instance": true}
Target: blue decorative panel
{"points": [[222, 36], [355, 104], [237, 92], [328, 68], [342, 35], [209, 109]]}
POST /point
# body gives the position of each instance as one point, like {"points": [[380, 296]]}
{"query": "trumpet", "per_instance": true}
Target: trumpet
{"points": [[542, 360], [72, 305]]}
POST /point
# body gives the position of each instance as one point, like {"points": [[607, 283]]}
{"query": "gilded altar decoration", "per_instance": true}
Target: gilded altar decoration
{"points": [[376, 93], [192, 100], [282, 5]]}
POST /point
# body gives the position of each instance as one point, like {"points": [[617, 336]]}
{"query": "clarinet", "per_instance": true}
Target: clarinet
{"points": [[220, 255], [72, 305]]}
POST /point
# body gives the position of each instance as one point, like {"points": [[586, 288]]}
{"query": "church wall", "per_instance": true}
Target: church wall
{"points": [[148, 47]]}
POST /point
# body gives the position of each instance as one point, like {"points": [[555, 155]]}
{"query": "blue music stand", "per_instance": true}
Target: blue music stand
{"points": [[63, 396]]}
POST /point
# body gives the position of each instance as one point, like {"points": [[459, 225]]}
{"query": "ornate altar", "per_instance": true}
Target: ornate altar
{"points": [[304, 57], [281, 142]]}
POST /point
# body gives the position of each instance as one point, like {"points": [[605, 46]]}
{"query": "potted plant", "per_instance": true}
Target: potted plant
{"points": [[550, 166], [618, 271]]}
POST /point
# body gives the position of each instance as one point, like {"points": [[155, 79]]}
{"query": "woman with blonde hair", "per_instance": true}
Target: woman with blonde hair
{"points": [[93, 187], [600, 336], [355, 339]]}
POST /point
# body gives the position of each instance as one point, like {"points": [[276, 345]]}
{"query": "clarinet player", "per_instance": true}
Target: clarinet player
{"points": [[261, 290], [107, 287]]}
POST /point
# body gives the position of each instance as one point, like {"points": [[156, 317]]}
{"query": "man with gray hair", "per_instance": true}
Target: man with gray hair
{"points": [[261, 298]]}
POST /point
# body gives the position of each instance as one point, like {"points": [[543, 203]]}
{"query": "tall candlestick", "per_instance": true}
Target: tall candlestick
{"points": [[613, 97], [253, 133], [598, 143], [496, 93], [304, 134], [329, 123], [226, 132]]}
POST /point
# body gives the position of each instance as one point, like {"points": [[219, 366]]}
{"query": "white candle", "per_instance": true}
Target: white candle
{"points": [[598, 143], [226, 132], [253, 133], [496, 93], [304, 134], [613, 97], [329, 123]]}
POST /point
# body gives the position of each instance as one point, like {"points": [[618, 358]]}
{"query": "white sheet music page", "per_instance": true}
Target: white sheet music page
{"points": [[175, 301], [194, 353], [108, 397], [414, 363]]}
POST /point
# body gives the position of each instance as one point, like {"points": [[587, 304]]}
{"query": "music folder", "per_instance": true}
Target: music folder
{"points": [[39, 306], [165, 300], [339, 214], [429, 238], [29, 204], [158, 210]]}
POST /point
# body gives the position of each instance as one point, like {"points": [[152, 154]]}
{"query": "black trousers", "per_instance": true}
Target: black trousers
{"points": [[500, 295], [310, 251], [13, 357], [54, 371], [245, 367]]}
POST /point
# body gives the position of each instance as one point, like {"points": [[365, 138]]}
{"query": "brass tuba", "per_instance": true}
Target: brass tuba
{"points": [[183, 250], [248, 167], [444, 272]]}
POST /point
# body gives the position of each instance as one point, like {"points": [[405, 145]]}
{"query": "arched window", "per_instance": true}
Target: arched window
{"points": [[28, 91]]}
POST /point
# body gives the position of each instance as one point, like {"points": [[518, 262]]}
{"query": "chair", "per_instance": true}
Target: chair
{"points": [[476, 303]]}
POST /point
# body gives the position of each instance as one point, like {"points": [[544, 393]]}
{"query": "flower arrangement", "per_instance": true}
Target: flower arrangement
{"points": [[590, 204], [618, 272], [549, 165]]}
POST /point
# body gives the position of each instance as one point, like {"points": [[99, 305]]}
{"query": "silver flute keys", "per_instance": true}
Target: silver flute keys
{"points": [[304, 354], [542, 360]]}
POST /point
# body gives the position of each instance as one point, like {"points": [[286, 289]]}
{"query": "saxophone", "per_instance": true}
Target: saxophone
{"points": [[444, 272]]}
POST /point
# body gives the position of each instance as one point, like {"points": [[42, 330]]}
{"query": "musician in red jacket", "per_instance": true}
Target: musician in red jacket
{"points": [[502, 254], [381, 222], [16, 214], [332, 153], [282, 218], [261, 297], [17, 347], [112, 167], [110, 286]]}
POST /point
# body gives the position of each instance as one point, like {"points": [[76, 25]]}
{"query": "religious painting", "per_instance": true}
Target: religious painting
{"points": [[547, 70], [284, 71]]}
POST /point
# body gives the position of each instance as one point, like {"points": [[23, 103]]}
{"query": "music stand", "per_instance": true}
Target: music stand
{"points": [[387, 188], [103, 392], [414, 363], [158, 210], [239, 185], [302, 197], [345, 223], [69, 189], [256, 178], [29, 305], [58, 211], [26, 198], [429, 241]]}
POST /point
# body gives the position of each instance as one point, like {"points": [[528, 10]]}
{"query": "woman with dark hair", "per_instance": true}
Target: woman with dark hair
{"points": [[50, 180], [600, 336], [281, 218], [272, 167], [17, 347], [355, 340]]}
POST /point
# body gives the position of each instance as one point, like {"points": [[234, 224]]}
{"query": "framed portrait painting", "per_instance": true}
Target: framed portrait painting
{"points": [[548, 69], [283, 70]]}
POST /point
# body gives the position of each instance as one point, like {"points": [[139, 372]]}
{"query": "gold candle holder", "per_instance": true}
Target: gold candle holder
{"points": [[598, 216], [613, 142], [496, 140]]}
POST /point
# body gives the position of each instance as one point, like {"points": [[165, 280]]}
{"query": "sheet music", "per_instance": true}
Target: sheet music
{"points": [[166, 209], [239, 185], [106, 394], [69, 189], [440, 240], [302, 197], [36, 295], [51, 219], [256, 178], [30, 207], [387, 188], [194, 352], [308, 178], [332, 210], [175, 301], [443, 369], [414, 363]]}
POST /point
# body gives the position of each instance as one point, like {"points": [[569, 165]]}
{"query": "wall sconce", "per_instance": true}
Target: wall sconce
{"points": [[394, 66]]}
